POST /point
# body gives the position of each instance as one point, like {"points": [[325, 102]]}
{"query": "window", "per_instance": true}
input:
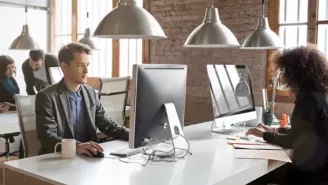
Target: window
{"points": [[63, 34], [101, 60], [37, 22], [115, 57], [298, 22], [293, 22], [323, 26]]}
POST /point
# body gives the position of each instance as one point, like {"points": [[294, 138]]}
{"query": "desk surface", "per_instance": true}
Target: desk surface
{"points": [[9, 123], [212, 162]]}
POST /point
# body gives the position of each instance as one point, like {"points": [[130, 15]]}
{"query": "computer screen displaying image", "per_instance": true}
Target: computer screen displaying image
{"points": [[231, 92]]}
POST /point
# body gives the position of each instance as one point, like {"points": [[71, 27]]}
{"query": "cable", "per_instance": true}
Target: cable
{"points": [[156, 155]]}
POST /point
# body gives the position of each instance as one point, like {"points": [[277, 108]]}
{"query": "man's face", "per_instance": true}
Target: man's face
{"points": [[77, 70], [36, 64]]}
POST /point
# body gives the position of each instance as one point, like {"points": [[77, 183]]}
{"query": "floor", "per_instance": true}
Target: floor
{"points": [[2, 159]]}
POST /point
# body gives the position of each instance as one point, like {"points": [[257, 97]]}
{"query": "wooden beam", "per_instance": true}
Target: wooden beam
{"points": [[146, 43], [323, 22], [53, 25], [312, 21], [74, 20], [116, 52]]}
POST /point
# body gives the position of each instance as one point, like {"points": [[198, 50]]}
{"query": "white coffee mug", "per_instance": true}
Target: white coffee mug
{"points": [[68, 148]]}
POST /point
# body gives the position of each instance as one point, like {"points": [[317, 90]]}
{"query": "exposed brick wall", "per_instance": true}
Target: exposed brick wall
{"points": [[178, 18]]}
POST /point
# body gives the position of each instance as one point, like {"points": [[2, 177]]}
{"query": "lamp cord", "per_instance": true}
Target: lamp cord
{"points": [[212, 4], [262, 8], [25, 11], [86, 4]]}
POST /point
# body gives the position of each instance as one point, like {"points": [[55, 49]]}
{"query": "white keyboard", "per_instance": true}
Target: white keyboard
{"points": [[231, 130], [127, 152]]}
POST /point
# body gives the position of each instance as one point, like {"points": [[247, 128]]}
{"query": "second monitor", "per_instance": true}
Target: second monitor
{"points": [[157, 103], [232, 95]]}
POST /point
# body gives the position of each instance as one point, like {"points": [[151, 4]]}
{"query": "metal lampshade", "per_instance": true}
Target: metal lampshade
{"points": [[211, 33], [262, 37], [24, 41], [242, 88], [87, 39], [128, 20]]}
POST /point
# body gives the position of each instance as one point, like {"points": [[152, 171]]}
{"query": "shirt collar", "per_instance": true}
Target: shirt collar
{"points": [[78, 92]]}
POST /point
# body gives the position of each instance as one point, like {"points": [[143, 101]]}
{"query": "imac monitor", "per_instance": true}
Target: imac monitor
{"points": [[153, 87], [231, 93]]}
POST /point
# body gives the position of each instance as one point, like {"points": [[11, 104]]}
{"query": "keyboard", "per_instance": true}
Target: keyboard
{"points": [[127, 152], [231, 130]]}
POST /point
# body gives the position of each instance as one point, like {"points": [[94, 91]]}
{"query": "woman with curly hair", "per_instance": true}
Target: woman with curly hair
{"points": [[8, 85], [305, 71]]}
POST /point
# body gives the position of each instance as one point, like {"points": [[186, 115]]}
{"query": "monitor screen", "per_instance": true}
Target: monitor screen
{"points": [[231, 89]]}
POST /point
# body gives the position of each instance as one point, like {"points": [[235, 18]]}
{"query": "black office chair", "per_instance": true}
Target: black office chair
{"points": [[9, 138]]}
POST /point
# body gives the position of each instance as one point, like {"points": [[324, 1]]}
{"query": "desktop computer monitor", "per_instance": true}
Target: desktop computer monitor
{"points": [[231, 93], [157, 103]]}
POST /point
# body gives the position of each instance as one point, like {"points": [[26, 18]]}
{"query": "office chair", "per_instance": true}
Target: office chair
{"points": [[27, 123], [113, 97]]}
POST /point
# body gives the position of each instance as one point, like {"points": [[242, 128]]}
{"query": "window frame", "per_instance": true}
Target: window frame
{"points": [[115, 42], [312, 33]]}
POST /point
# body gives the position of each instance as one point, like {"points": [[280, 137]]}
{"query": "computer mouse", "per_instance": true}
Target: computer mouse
{"points": [[99, 155]]}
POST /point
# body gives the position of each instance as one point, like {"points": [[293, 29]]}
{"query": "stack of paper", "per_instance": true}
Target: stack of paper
{"points": [[263, 146], [278, 155]]}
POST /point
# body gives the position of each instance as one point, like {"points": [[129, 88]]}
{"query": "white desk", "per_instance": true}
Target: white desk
{"points": [[9, 123], [212, 162]]}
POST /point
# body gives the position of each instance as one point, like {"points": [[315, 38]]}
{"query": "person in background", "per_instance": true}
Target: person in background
{"points": [[36, 70], [8, 85], [305, 71], [70, 109]]}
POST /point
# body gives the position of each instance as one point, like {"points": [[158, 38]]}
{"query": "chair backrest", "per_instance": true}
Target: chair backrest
{"points": [[27, 123], [56, 74], [114, 94], [95, 82]]}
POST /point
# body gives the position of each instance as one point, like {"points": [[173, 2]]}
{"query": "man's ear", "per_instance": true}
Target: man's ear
{"points": [[63, 66]]}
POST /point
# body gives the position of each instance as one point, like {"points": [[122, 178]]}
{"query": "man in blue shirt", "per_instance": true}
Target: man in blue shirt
{"points": [[71, 109]]}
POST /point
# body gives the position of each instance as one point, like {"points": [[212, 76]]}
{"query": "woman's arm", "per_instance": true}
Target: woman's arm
{"points": [[305, 114]]}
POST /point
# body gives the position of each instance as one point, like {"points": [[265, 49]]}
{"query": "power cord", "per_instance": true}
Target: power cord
{"points": [[158, 155]]}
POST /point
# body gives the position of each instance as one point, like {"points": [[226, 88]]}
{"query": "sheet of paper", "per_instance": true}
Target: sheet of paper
{"points": [[278, 155], [245, 142], [257, 147]]}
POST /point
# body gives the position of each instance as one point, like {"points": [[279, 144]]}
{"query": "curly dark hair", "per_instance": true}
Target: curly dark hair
{"points": [[302, 69], [5, 60]]}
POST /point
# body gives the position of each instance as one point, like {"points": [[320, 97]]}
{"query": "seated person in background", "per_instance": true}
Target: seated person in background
{"points": [[36, 70], [8, 85], [71, 109], [305, 71]]}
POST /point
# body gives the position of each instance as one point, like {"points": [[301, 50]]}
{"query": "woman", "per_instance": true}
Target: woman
{"points": [[8, 85], [305, 71]]}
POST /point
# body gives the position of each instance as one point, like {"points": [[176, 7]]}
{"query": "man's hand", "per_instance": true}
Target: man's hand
{"points": [[265, 127], [88, 148], [258, 132], [4, 107]]}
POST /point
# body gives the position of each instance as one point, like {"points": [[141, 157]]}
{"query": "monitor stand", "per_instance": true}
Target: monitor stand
{"points": [[178, 145]]}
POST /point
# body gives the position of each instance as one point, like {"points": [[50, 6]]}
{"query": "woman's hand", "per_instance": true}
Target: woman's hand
{"points": [[258, 132], [265, 127]]}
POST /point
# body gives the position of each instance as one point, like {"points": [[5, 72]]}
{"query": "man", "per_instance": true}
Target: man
{"points": [[71, 109], [36, 70]]}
